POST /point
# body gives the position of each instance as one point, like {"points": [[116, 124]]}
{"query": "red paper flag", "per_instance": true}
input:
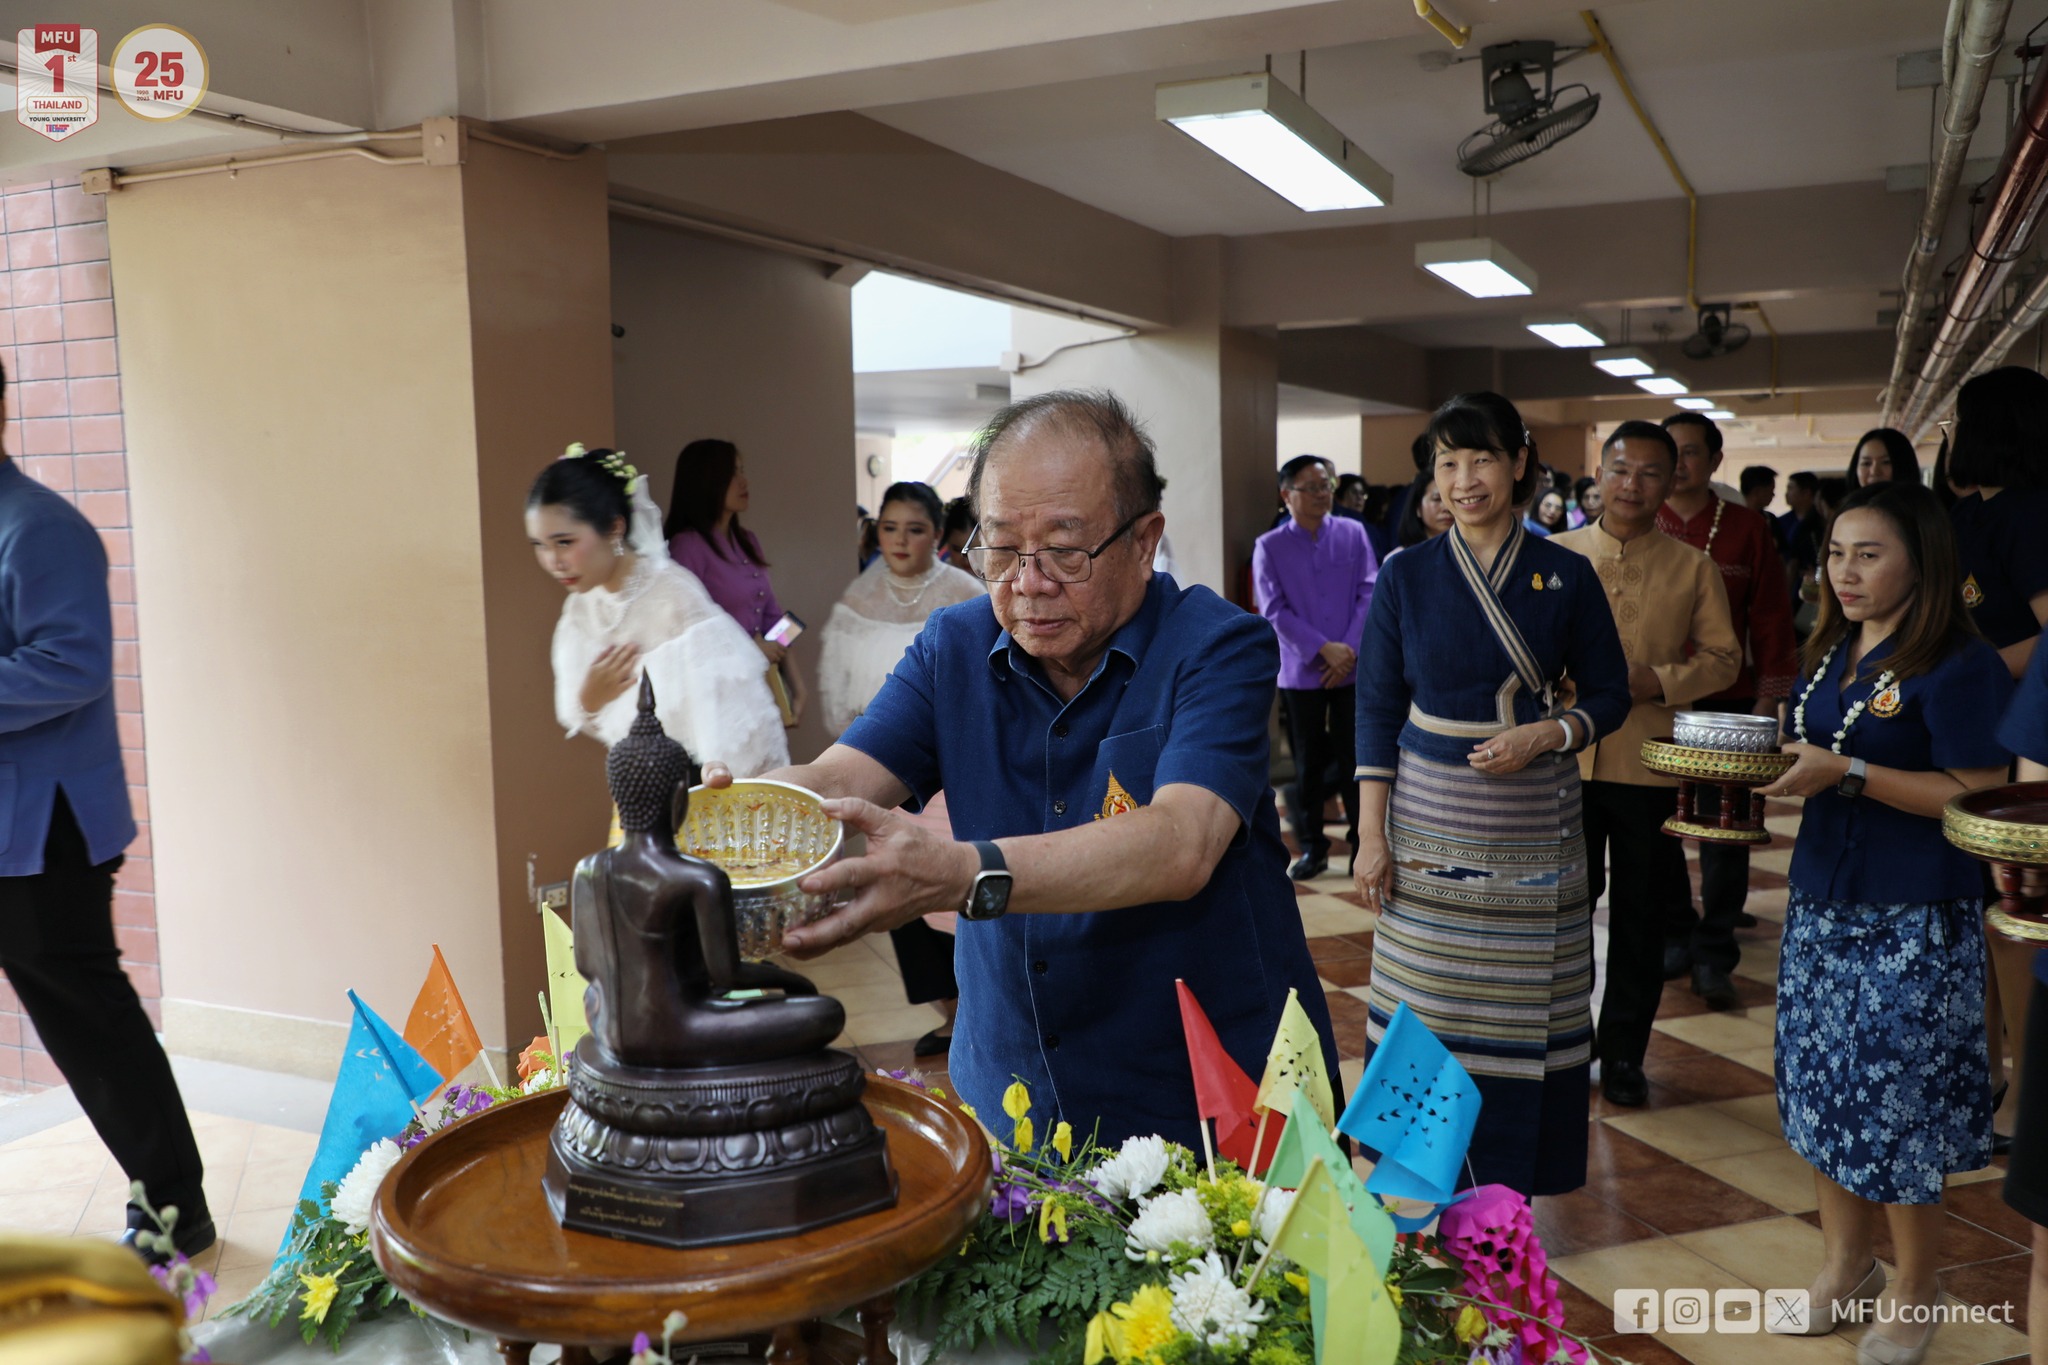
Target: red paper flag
{"points": [[1223, 1091], [439, 1027]]}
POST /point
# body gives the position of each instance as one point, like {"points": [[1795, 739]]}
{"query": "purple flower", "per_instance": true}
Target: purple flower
{"points": [[1012, 1202], [199, 1356], [641, 1345], [907, 1077]]}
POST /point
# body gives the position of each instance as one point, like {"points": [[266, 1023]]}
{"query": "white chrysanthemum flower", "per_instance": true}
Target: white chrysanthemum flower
{"points": [[1168, 1218], [1209, 1305], [358, 1189], [1272, 1213], [1135, 1171]]}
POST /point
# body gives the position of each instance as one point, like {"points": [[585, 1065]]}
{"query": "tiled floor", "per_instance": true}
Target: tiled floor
{"points": [[1696, 1189]]}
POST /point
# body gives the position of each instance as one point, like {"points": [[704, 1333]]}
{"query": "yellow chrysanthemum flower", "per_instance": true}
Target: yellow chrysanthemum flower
{"points": [[1394, 1293], [1025, 1135], [1097, 1348], [1016, 1100], [1471, 1325], [1063, 1140], [1241, 1228], [319, 1296], [1300, 1281], [1144, 1324]]}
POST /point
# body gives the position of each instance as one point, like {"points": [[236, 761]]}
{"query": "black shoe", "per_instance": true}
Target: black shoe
{"points": [[933, 1044], [1308, 867], [1712, 985], [1744, 920], [193, 1234], [1677, 961], [1623, 1083]]}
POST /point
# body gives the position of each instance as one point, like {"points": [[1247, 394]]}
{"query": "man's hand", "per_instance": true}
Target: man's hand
{"points": [[1337, 662], [907, 872], [1644, 684]]}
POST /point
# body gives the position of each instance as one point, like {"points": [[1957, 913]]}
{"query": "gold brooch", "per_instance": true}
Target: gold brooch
{"points": [[1887, 703], [1116, 801]]}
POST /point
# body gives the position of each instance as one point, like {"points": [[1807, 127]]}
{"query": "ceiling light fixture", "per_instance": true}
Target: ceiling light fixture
{"points": [[1720, 415], [1624, 362], [1271, 134], [1480, 266], [1662, 385], [1568, 330], [1695, 404]]}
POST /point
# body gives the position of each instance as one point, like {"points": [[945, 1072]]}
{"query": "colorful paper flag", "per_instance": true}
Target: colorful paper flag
{"points": [[1416, 1107], [1295, 1065], [439, 1027], [1303, 1144], [565, 983], [1223, 1091], [1355, 1320], [381, 1078]]}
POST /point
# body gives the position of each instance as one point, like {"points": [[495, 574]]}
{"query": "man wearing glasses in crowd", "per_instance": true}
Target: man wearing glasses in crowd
{"points": [[1100, 734]]}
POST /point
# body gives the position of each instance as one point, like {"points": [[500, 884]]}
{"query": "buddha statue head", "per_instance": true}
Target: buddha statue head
{"points": [[649, 773]]}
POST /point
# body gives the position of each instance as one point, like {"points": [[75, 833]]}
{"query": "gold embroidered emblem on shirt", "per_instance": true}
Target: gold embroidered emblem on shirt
{"points": [[1887, 703], [1973, 596], [1116, 801], [1536, 581]]}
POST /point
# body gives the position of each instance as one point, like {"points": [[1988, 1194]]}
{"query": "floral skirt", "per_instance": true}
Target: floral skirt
{"points": [[1884, 1082]]}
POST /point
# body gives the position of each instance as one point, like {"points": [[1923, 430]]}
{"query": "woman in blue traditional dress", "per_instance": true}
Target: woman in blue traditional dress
{"points": [[1489, 657], [1884, 1084]]}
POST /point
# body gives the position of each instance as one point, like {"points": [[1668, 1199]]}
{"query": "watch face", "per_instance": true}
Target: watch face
{"points": [[991, 895]]}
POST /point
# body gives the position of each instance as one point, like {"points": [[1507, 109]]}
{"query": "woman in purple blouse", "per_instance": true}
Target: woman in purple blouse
{"points": [[705, 537]]}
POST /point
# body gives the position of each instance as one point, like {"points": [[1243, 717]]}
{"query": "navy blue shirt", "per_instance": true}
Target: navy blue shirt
{"points": [[2024, 732], [1862, 850], [2002, 546], [1081, 1007]]}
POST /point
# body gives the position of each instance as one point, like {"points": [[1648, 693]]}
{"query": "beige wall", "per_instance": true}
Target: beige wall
{"points": [[1337, 439], [332, 385], [755, 347]]}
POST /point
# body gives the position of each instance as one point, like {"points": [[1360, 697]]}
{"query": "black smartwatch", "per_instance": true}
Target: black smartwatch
{"points": [[1851, 784], [990, 896]]}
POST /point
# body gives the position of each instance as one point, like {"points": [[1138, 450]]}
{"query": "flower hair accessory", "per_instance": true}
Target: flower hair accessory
{"points": [[612, 462]]}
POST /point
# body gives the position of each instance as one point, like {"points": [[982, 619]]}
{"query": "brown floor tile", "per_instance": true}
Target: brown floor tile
{"points": [[1960, 1242], [1993, 1282], [1346, 971], [1710, 1078], [1611, 1152], [1577, 1222], [1661, 1097], [1584, 1315], [1359, 940], [1984, 1204], [1353, 897], [1665, 1048], [1331, 948], [1348, 1016], [896, 1056], [1678, 1000], [1679, 1198]]}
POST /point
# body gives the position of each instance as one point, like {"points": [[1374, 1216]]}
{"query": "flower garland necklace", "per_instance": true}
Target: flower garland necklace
{"points": [[1884, 680], [923, 583], [1720, 506]]}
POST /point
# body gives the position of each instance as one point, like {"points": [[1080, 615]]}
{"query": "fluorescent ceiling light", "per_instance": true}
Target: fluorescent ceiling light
{"points": [[1720, 415], [1624, 362], [1696, 404], [1662, 384], [1267, 131], [1480, 266], [1567, 330]]}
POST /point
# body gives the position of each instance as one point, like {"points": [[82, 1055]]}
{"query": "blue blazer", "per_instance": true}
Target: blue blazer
{"points": [[56, 679]]}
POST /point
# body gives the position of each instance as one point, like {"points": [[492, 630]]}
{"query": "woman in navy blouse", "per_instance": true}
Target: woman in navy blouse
{"points": [[1884, 1083], [1489, 656]]}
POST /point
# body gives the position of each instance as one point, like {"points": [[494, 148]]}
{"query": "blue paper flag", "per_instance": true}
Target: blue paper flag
{"points": [[1415, 1107], [381, 1076]]}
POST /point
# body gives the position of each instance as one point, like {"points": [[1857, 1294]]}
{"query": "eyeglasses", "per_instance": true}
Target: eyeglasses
{"points": [[1058, 563], [1323, 487]]}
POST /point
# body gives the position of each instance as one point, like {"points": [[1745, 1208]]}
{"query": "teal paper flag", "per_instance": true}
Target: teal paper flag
{"points": [[381, 1076], [1415, 1107], [1305, 1142]]}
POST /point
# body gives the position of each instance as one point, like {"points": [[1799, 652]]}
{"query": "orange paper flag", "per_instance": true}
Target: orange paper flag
{"points": [[439, 1027]]}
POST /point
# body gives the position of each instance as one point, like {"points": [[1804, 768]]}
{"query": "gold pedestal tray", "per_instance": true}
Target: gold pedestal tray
{"points": [[1735, 776], [462, 1228], [2007, 827]]}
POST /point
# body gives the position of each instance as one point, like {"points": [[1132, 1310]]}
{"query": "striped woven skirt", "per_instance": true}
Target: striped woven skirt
{"points": [[1487, 938]]}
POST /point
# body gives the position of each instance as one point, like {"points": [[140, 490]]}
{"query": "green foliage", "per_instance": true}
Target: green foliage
{"points": [[318, 1247]]}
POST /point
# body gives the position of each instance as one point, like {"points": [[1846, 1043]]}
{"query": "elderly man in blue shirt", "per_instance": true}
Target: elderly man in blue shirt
{"points": [[64, 821], [1313, 577], [1100, 734]]}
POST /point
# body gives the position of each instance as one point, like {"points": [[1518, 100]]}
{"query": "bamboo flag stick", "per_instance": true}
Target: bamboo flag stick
{"points": [[1208, 1150], [1258, 1142], [547, 1023], [1260, 1268], [491, 1070]]}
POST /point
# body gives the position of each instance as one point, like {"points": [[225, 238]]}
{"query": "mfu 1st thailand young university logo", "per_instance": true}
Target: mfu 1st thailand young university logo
{"points": [[57, 79]]}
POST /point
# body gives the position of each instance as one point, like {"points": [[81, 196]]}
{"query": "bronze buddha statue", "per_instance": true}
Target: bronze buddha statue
{"points": [[695, 1119]]}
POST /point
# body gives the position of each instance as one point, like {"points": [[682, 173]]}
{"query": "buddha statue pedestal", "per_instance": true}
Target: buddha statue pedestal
{"points": [[2007, 827]]}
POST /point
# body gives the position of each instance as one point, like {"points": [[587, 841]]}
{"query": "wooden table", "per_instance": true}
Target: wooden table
{"points": [[462, 1229]]}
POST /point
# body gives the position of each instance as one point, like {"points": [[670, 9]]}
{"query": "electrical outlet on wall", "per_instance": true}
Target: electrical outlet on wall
{"points": [[555, 895]]}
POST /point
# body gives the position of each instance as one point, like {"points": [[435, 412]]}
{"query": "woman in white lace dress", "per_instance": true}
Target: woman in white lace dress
{"points": [[631, 609], [876, 619]]}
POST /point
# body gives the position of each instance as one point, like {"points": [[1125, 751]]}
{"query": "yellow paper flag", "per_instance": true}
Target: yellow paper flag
{"points": [[565, 983], [1356, 1322], [1294, 1065]]}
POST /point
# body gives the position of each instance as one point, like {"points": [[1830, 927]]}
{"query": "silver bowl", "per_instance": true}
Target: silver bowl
{"points": [[767, 836], [1726, 732]]}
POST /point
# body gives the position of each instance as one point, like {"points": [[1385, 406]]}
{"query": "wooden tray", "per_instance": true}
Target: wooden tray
{"points": [[2006, 824], [461, 1227]]}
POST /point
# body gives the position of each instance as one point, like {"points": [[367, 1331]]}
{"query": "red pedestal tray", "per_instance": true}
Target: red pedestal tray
{"points": [[462, 1228], [2008, 828]]}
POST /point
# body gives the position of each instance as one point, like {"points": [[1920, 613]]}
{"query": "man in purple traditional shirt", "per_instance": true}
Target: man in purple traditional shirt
{"points": [[1313, 576]]}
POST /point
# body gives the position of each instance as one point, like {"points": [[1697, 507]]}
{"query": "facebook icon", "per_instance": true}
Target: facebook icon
{"points": [[1635, 1311]]}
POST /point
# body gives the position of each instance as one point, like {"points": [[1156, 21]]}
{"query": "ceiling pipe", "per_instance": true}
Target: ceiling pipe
{"points": [[2013, 212], [2024, 317], [1976, 29]]}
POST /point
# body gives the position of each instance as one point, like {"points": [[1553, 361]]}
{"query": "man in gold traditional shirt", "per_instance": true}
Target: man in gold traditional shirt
{"points": [[1672, 613]]}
